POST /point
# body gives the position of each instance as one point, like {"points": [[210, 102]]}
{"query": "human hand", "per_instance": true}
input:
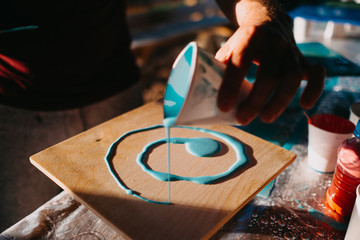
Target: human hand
{"points": [[269, 43]]}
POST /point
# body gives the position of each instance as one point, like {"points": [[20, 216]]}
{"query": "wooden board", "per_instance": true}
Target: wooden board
{"points": [[197, 211]]}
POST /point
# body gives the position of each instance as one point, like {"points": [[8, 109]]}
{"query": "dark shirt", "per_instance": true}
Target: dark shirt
{"points": [[75, 52]]}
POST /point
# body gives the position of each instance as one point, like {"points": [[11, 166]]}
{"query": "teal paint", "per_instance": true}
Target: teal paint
{"points": [[194, 145], [323, 218]]}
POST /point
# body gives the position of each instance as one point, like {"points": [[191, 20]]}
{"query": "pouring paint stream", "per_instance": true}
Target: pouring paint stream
{"points": [[168, 122]]}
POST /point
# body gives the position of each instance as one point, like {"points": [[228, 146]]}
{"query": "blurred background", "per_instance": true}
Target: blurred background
{"points": [[162, 28]]}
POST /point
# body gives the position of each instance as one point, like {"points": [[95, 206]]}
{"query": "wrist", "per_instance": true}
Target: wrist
{"points": [[256, 12], [264, 13]]}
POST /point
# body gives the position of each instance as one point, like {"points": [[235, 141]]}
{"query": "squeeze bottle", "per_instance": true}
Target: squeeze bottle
{"points": [[341, 194]]}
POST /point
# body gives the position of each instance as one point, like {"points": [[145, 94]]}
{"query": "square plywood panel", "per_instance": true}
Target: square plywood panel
{"points": [[196, 211]]}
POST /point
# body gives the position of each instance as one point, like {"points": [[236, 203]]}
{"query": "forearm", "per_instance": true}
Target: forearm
{"points": [[250, 12], [256, 13]]}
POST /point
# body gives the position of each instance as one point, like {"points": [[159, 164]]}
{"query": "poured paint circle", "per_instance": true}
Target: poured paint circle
{"points": [[196, 146]]}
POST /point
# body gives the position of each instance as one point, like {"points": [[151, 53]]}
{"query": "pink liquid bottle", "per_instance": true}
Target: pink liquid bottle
{"points": [[341, 194]]}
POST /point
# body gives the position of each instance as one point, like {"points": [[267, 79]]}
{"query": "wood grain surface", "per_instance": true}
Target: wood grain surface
{"points": [[197, 211]]}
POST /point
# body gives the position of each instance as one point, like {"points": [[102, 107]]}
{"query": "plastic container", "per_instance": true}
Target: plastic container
{"points": [[326, 133], [341, 194], [353, 230], [192, 89]]}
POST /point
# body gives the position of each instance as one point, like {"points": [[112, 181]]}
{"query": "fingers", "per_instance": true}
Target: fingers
{"points": [[315, 75], [273, 92], [266, 81], [238, 65], [236, 44], [281, 67], [282, 96], [224, 53], [228, 91]]}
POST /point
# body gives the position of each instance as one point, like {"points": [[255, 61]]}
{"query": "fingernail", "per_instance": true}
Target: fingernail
{"points": [[226, 103], [223, 106], [243, 119], [268, 118], [220, 56]]}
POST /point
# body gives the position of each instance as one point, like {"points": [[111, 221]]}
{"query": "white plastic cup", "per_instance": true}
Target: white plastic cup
{"points": [[355, 112], [326, 133], [353, 230], [192, 89]]}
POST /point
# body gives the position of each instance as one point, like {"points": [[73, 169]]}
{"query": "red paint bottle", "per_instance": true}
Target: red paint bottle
{"points": [[341, 194]]}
